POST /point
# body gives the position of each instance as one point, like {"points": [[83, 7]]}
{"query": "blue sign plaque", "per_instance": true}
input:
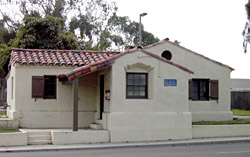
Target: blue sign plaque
{"points": [[170, 82]]}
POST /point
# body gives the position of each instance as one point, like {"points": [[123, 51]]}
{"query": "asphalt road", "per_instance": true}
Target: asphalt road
{"points": [[210, 150]]}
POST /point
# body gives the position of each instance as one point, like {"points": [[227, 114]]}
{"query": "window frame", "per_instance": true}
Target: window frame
{"points": [[54, 85], [146, 86], [199, 89]]}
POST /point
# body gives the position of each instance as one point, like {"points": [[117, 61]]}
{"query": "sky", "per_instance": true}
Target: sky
{"points": [[212, 28]]}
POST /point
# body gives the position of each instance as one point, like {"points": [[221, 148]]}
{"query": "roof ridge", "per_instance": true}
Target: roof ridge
{"points": [[52, 50]]}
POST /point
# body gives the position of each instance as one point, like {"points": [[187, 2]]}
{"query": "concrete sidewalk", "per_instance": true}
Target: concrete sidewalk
{"points": [[241, 117], [124, 145]]}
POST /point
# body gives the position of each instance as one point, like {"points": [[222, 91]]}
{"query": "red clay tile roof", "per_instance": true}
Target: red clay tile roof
{"points": [[84, 61], [80, 71], [167, 40], [59, 57]]}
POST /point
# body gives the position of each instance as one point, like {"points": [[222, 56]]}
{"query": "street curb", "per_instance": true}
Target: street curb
{"points": [[122, 145]]}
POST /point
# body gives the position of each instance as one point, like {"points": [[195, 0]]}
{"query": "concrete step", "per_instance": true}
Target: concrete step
{"points": [[96, 126], [38, 133], [39, 137], [39, 142], [99, 121]]}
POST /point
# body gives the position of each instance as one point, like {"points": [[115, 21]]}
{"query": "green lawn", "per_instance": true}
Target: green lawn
{"points": [[8, 130], [238, 121], [241, 112], [2, 113]]}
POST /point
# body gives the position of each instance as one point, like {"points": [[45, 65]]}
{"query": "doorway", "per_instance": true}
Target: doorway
{"points": [[101, 95]]}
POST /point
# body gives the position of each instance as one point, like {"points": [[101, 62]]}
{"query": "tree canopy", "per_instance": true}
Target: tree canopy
{"points": [[39, 33], [54, 24], [246, 31], [44, 33]]}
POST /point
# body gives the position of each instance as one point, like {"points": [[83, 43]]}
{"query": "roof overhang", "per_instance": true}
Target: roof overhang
{"points": [[84, 70]]}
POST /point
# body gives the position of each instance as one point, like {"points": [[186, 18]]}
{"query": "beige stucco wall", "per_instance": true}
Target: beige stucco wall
{"points": [[203, 69], [63, 137], [107, 73], [11, 81], [50, 113], [13, 139], [209, 131], [240, 83], [164, 115]]}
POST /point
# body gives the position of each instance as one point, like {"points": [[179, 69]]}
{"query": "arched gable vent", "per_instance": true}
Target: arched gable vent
{"points": [[166, 54]]}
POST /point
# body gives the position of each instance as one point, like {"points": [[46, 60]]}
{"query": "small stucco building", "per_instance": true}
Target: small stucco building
{"points": [[144, 94], [209, 86]]}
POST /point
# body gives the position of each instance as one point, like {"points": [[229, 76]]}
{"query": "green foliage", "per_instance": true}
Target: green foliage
{"points": [[5, 51], [246, 31], [5, 34], [94, 21], [126, 33], [86, 28], [39, 33], [241, 112], [148, 38], [44, 33], [247, 6], [238, 121], [36, 8]]}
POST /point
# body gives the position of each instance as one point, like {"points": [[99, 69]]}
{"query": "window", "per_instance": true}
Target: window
{"points": [[49, 87], [44, 87], [137, 85], [203, 89], [200, 89], [166, 54]]}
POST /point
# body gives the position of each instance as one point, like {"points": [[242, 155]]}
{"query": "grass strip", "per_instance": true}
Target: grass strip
{"points": [[8, 130], [2, 113], [241, 112], [238, 121]]}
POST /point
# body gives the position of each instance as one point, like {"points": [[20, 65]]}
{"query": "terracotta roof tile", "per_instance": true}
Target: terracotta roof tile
{"points": [[84, 61], [80, 71], [74, 58]]}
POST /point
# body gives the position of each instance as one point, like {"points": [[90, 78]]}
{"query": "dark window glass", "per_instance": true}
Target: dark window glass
{"points": [[167, 54], [37, 86], [49, 87], [200, 89], [136, 85]]}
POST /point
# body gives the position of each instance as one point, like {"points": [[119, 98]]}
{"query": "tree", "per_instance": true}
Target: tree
{"points": [[96, 10], [17, 9], [39, 33], [44, 33], [125, 32], [2, 84], [94, 21], [246, 31]]}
